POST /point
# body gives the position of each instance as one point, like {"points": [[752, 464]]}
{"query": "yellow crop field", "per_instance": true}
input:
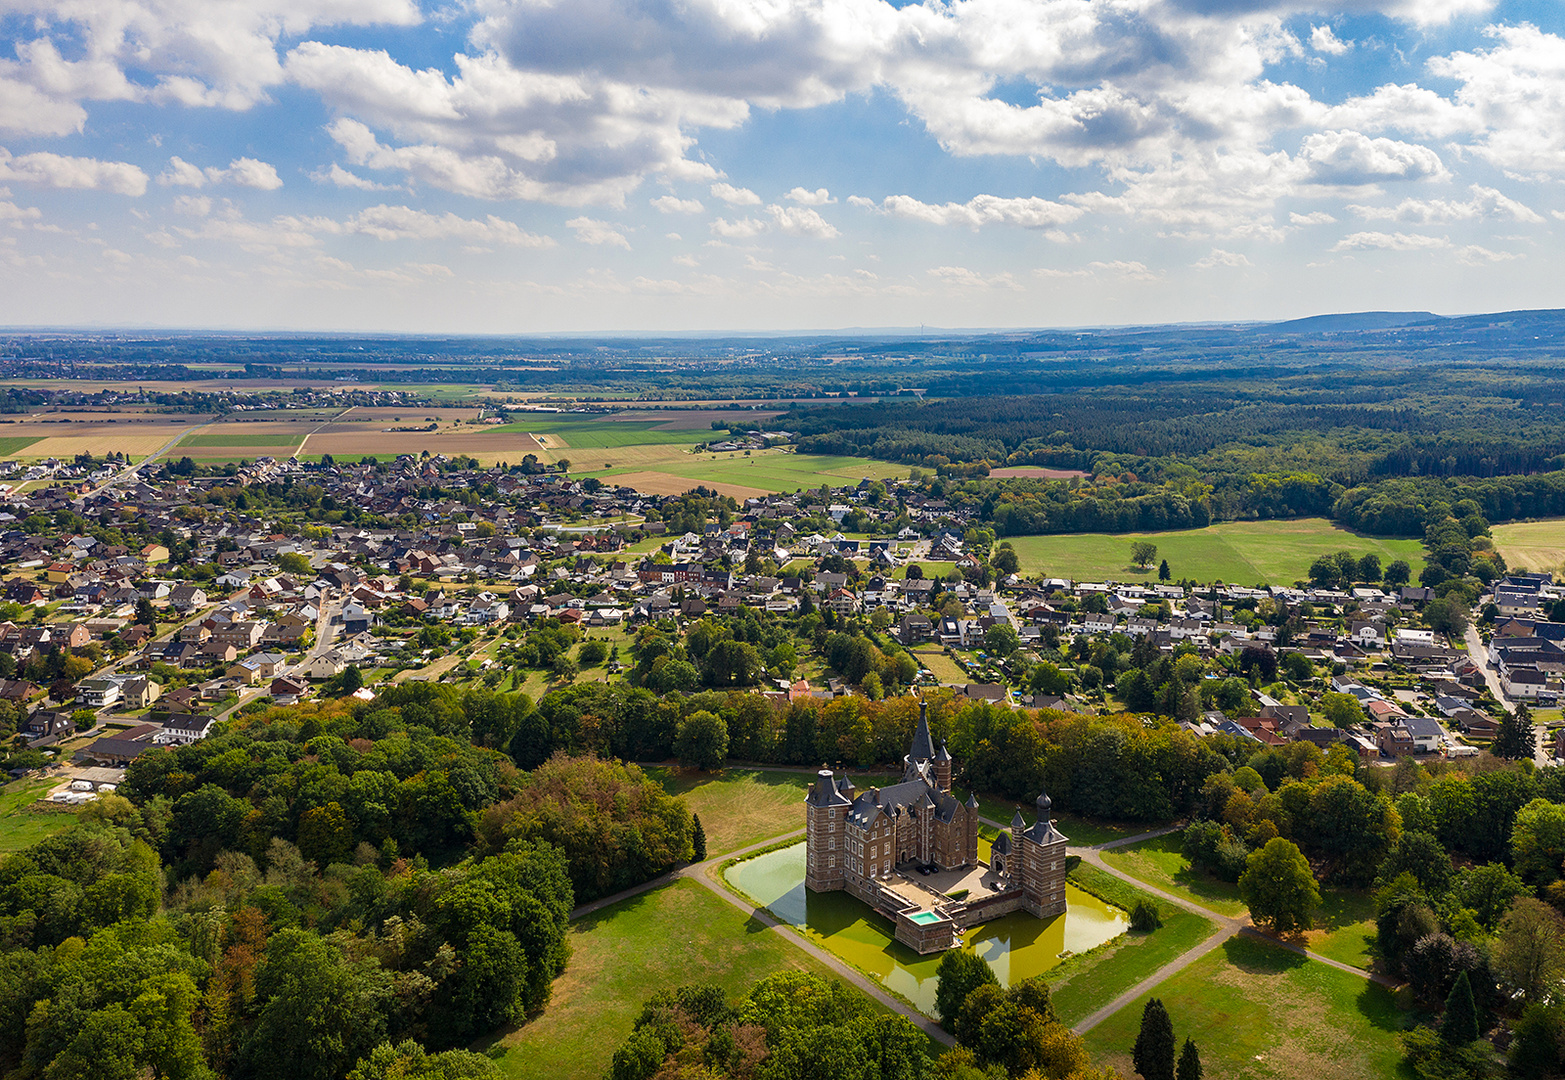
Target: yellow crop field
{"points": [[1532, 545]]}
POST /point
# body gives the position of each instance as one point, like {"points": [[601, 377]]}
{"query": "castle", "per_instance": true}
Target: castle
{"points": [[910, 851]]}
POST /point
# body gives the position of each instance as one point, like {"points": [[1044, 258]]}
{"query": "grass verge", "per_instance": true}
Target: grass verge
{"points": [[1160, 863]]}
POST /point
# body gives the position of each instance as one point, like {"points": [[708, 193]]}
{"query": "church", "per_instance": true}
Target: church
{"points": [[910, 851]]}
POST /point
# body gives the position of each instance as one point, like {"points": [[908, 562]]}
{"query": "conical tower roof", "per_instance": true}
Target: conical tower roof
{"points": [[923, 743]]}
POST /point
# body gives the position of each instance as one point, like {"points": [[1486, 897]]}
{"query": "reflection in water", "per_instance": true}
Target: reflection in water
{"points": [[1016, 946]]}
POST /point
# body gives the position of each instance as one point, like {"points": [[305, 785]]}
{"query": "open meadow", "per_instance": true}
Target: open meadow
{"points": [[1532, 545], [622, 955], [1240, 552], [739, 807], [21, 824], [1257, 1011]]}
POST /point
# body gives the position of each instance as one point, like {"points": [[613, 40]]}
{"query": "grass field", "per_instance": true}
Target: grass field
{"points": [[739, 807], [1160, 863], [1257, 1011], [11, 445], [668, 469], [1345, 927], [940, 665], [1081, 832], [22, 827], [1240, 552], [1082, 985], [1532, 545], [620, 956], [258, 438]]}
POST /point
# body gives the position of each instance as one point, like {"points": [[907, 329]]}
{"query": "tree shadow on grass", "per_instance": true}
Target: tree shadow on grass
{"points": [[1259, 956]]}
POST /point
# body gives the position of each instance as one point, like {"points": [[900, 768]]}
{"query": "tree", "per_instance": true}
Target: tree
{"points": [[1143, 553], [1189, 1062], [1279, 887], [1538, 841], [1397, 574], [1164, 574], [1001, 639], [1343, 710], [959, 974], [1516, 739], [1005, 559], [1529, 950], [1369, 568], [1459, 1026], [1153, 1054], [352, 679], [1047, 678], [697, 839], [295, 563], [915, 572], [1447, 615], [732, 663], [702, 740], [409, 1061]]}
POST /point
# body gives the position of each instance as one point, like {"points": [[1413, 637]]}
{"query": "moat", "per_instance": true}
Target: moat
{"points": [[1016, 946]]}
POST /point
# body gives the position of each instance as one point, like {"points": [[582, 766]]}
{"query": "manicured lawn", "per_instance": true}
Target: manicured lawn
{"points": [[1081, 832], [11, 445], [1259, 1011], [1082, 985], [1535, 545], [739, 807], [932, 570], [1242, 552], [1160, 863], [624, 954], [1345, 927], [941, 666], [22, 827]]}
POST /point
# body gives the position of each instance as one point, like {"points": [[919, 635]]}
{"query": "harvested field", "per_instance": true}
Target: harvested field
{"points": [[137, 445], [1036, 472], [692, 419], [273, 439], [656, 483], [1535, 545], [486, 446]]}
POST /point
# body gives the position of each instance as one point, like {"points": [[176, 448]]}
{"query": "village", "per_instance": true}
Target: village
{"points": [[112, 649]]}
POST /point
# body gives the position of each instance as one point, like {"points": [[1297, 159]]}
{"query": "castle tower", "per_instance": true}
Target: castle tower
{"points": [[1041, 856], [1017, 870], [943, 768], [825, 834], [971, 838], [922, 753]]}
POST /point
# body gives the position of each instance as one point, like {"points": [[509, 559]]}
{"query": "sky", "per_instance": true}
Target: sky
{"points": [[531, 166]]}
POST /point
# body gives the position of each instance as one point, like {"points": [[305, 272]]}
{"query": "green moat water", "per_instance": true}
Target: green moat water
{"points": [[1016, 946]]}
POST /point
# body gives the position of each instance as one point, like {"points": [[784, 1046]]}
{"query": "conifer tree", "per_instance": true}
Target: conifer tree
{"points": [[1153, 1054], [1459, 1026], [1189, 1062], [698, 840], [1516, 738]]}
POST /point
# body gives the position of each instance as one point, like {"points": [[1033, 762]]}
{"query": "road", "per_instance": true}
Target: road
{"points": [[1544, 755], [125, 474]]}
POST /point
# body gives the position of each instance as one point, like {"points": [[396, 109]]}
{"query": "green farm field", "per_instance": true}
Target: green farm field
{"points": [[621, 956], [597, 434], [1532, 545], [1257, 1011], [265, 438], [11, 445], [1241, 552]]}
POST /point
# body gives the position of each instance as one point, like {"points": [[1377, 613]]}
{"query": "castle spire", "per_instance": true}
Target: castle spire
{"points": [[923, 748]]}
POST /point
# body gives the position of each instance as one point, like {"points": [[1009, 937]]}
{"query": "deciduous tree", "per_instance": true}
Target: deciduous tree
{"points": [[1279, 888]]}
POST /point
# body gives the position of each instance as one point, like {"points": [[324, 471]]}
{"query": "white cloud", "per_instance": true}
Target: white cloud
{"points": [[1325, 40], [1029, 212], [1219, 257], [1379, 241], [244, 171], [818, 197], [404, 223], [668, 204], [14, 215], [342, 178], [1473, 255], [1485, 203], [90, 174], [970, 279], [802, 221], [591, 231], [742, 229], [1315, 217], [1130, 270], [735, 196], [1350, 158]]}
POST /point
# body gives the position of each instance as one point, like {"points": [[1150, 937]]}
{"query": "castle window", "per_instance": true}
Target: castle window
{"points": [[832, 861], [831, 845]]}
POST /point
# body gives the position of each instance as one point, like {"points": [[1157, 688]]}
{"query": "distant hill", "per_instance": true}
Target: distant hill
{"points": [[1351, 321]]}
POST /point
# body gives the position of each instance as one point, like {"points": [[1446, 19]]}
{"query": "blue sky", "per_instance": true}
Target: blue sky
{"points": [[644, 165]]}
